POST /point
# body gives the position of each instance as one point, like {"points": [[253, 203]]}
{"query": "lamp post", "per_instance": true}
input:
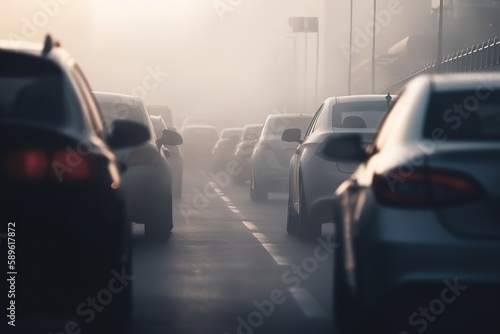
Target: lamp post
{"points": [[440, 38], [350, 53], [373, 43], [307, 25]]}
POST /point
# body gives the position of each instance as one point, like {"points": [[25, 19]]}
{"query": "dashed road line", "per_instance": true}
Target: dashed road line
{"points": [[307, 303]]}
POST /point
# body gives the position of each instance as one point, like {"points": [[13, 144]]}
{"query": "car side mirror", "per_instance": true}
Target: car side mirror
{"points": [[126, 133], [292, 135], [170, 138], [343, 148]]}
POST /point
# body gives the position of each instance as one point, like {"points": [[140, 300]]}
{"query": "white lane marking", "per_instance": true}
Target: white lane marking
{"points": [[308, 304], [250, 226], [225, 199], [272, 249]]}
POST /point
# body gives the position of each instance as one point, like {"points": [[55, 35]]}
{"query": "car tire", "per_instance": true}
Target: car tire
{"points": [[258, 192], [161, 229], [307, 230], [292, 218]]}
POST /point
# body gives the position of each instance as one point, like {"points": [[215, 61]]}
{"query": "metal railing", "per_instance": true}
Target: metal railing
{"points": [[480, 57]]}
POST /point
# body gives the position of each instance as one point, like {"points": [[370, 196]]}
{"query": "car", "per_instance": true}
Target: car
{"points": [[164, 111], [270, 159], [199, 141], [223, 150], [62, 193], [312, 175], [147, 181], [243, 152], [417, 225], [174, 156]]}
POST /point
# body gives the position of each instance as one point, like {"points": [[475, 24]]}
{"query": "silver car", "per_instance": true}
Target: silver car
{"points": [[418, 226], [271, 157], [312, 175], [147, 181]]}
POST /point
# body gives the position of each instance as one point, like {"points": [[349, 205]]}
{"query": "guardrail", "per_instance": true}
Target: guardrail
{"points": [[480, 57]]}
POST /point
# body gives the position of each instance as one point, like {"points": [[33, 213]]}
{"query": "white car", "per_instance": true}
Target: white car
{"points": [[313, 176], [418, 227], [147, 181], [271, 157]]}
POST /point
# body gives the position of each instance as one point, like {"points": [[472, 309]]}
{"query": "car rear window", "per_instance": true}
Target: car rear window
{"points": [[275, 126], [359, 115], [35, 90], [463, 115], [112, 111]]}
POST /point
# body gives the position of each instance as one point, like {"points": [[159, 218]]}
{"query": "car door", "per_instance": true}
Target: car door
{"points": [[295, 162]]}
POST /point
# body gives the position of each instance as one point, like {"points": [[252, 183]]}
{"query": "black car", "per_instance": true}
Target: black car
{"points": [[62, 205]]}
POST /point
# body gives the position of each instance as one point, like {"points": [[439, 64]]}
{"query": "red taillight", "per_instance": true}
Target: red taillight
{"points": [[64, 164], [75, 166], [425, 187], [29, 164]]}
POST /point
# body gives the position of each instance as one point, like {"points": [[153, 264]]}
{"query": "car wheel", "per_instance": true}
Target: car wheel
{"points": [[162, 227], [292, 219], [307, 229], [257, 191]]}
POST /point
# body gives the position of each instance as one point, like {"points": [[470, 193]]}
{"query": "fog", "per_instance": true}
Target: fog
{"points": [[234, 61]]}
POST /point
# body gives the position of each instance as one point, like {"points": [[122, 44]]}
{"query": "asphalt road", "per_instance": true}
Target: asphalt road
{"points": [[230, 267]]}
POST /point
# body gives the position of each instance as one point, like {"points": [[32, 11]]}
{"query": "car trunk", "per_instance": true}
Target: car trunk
{"points": [[480, 161], [350, 167]]}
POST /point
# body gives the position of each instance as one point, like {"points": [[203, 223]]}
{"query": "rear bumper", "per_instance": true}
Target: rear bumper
{"points": [[406, 259]]}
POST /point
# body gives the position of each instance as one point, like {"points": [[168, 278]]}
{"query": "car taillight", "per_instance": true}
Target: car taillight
{"points": [[28, 164], [144, 156], [425, 187], [37, 164]]}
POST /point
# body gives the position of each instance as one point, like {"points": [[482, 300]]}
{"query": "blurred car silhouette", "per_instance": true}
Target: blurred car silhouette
{"points": [[243, 151], [270, 159], [312, 175], [419, 219], [61, 189], [199, 140], [223, 150], [147, 181], [174, 156]]}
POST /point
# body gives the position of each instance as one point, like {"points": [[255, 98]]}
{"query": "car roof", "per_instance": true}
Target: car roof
{"points": [[361, 98], [112, 97], [56, 54], [458, 81], [200, 126]]}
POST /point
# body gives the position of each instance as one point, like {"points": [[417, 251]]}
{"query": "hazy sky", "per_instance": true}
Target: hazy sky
{"points": [[221, 58]]}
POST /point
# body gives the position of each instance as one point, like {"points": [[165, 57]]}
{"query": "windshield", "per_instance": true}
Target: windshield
{"points": [[360, 115], [42, 96], [276, 125], [457, 116]]}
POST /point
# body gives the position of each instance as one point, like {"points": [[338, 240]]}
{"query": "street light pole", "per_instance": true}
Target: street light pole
{"points": [[305, 70], [350, 54], [373, 44], [440, 37]]}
